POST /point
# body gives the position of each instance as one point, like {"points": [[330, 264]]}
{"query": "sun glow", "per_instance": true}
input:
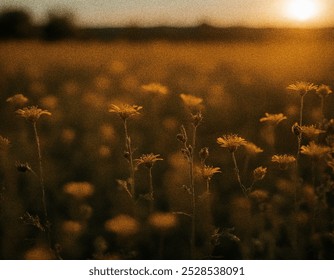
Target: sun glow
{"points": [[302, 10]]}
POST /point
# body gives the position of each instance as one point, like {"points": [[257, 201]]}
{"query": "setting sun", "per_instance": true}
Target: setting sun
{"points": [[302, 10]]}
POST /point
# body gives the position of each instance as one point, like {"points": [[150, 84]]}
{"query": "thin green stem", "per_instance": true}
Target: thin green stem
{"points": [[237, 173], [130, 158], [151, 189], [193, 192]]}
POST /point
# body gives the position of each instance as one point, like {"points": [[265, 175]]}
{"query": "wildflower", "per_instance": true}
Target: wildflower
{"points": [[125, 111], [23, 167], [231, 141], [191, 101], [273, 119], [302, 87], [315, 151], [251, 148], [323, 91], [311, 131], [122, 225], [162, 221], [17, 99], [148, 160], [32, 113], [4, 143], [259, 173], [208, 171], [155, 88], [283, 160], [79, 190]]}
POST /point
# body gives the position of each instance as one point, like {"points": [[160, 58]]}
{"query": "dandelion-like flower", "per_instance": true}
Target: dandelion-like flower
{"points": [[17, 99], [283, 160], [323, 91], [259, 173], [148, 160], [4, 143], [231, 141], [251, 148], [302, 87], [191, 101], [315, 151], [311, 131], [163, 221], [208, 171], [156, 88], [125, 111], [23, 167], [273, 119], [32, 113], [123, 225], [79, 190]]}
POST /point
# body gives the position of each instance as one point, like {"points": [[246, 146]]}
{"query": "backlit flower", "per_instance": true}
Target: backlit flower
{"points": [[311, 131], [259, 173], [323, 91], [32, 113], [191, 101], [302, 87], [273, 119], [17, 99], [283, 160], [208, 171], [125, 110], [155, 88], [231, 141], [315, 151], [148, 160], [251, 148]]}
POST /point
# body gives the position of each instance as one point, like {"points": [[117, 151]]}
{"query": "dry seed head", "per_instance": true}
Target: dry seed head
{"points": [[32, 113], [204, 154], [148, 160], [273, 119], [296, 129], [302, 87], [156, 88], [284, 161], [125, 111], [17, 99], [231, 141], [259, 173], [315, 151], [323, 91]]}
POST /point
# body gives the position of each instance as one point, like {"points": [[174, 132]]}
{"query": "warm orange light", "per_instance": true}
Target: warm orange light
{"points": [[302, 10]]}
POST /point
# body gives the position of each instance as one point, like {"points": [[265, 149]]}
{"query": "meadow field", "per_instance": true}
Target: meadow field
{"points": [[222, 151]]}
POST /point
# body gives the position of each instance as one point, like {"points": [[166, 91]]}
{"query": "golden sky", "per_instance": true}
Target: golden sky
{"points": [[259, 13]]}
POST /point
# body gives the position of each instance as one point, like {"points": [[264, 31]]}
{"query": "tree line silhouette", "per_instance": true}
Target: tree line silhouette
{"points": [[18, 24]]}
